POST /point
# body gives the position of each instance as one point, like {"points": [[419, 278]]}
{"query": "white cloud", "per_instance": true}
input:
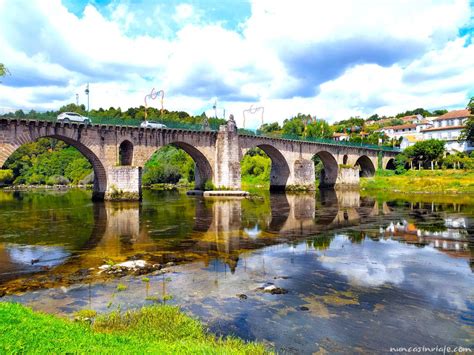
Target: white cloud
{"points": [[331, 59], [183, 12], [377, 263]]}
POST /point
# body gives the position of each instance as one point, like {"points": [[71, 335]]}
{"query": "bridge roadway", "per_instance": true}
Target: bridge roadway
{"points": [[118, 154]]}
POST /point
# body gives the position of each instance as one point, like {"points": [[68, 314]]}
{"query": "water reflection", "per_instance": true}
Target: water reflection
{"points": [[363, 273], [48, 238]]}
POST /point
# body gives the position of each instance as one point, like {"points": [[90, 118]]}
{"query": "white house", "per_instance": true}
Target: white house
{"points": [[413, 129], [448, 127]]}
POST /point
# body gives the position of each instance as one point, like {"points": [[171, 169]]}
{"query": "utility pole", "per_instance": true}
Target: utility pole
{"points": [[87, 93], [77, 99], [215, 109]]}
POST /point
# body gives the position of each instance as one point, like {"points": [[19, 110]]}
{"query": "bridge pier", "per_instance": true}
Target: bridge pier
{"points": [[227, 168], [302, 176], [124, 183], [348, 177]]}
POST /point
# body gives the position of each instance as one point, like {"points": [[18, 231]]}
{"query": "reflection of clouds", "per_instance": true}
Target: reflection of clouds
{"points": [[374, 263], [38, 255], [455, 228], [253, 233]]}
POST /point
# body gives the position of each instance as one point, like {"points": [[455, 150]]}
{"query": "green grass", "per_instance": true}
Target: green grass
{"points": [[423, 181], [156, 329]]}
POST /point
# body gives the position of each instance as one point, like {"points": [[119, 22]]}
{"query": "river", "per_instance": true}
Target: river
{"points": [[361, 273]]}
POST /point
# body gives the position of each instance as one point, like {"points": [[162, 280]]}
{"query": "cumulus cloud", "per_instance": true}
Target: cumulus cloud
{"points": [[391, 262], [330, 59]]}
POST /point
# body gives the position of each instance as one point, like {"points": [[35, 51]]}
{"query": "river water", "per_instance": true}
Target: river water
{"points": [[362, 273]]}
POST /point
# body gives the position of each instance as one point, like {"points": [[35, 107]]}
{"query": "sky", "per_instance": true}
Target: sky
{"points": [[331, 59]]}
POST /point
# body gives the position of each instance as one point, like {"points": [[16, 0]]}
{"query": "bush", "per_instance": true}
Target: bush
{"points": [[209, 186], [57, 180], [6, 177]]}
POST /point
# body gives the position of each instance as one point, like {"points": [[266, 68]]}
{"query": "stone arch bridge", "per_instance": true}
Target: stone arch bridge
{"points": [[118, 153]]}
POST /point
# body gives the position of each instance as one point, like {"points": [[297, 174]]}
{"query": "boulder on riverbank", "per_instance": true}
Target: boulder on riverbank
{"points": [[132, 267]]}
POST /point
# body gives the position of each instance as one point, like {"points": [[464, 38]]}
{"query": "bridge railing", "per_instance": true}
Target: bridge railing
{"points": [[212, 127], [124, 122], [258, 133]]}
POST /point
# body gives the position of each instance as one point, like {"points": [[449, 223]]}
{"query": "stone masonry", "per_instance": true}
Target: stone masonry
{"points": [[117, 154]]}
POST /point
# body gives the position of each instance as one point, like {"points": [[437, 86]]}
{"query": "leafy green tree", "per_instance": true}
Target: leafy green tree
{"points": [[168, 165], [3, 70], [6, 177], [470, 105], [468, 132], [295, 126], [439, 112], [418, 111], [426, 152], [256, 166], [318, 129], [270, 127], [80, 109]]}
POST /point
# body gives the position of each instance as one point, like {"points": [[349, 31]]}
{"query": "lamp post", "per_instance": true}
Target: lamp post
{"points": [[87, 93]]}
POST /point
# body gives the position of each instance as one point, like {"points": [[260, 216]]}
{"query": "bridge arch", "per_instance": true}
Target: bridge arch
{"points": [[330, 169], [100, 174], [366, 166], [280, 169], [390, 164], [125, 153], [203, 169]]}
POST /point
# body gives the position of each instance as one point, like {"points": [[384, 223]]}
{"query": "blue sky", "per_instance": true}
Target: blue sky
{"points": [[330, 59]]}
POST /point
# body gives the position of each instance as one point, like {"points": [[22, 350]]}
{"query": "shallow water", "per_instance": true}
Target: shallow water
{"points": [[363, 274]]}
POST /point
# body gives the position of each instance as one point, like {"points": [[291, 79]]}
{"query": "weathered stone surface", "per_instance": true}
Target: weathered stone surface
{"points": [[217, 154]]}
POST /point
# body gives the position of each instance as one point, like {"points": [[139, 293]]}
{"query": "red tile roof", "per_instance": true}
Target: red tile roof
{"points": [[409, 118], [454, 114]]}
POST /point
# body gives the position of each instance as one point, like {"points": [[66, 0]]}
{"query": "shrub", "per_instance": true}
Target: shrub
{"points": [[57, 180], [209, 186], [6, 177]]}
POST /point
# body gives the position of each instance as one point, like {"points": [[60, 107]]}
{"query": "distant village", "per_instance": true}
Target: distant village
{"points": [[407, 130]]}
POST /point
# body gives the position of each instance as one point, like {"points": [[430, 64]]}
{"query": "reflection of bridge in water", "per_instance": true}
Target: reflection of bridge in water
{"points": [[222, 228]]}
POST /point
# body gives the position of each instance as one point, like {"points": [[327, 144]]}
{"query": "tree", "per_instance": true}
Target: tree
{"points": [[80, 109], [295, 125], [318, 129], [439, 112], [426, 152], [269, 127], [468, 132], [3, 70], [470, 105]]}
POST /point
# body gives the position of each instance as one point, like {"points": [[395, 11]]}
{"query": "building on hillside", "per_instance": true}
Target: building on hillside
{"points": [[411, 119], [408, 141], [448, 128], [408, 129], [404, 119], [340, 136]]}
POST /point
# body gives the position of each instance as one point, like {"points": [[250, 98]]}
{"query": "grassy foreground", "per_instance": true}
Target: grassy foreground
{"points": [[159, 329], [423, 181]]}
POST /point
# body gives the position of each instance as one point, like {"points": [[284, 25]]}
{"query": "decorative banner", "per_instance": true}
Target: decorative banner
{"points": [[253, 111], [153, 95]]}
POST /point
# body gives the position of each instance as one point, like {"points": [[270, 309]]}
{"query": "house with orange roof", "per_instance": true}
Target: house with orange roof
{"points": [[448, 128]]}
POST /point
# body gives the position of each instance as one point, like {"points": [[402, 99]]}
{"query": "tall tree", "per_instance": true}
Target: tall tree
{"points": [[3, 70], [468, 132]]}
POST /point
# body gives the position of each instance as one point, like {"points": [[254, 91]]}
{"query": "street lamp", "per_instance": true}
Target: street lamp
{"points": [[87, 93]]}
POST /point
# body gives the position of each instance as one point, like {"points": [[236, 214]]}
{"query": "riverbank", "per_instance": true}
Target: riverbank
{"points": [[159, 329], [422, 182]]}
